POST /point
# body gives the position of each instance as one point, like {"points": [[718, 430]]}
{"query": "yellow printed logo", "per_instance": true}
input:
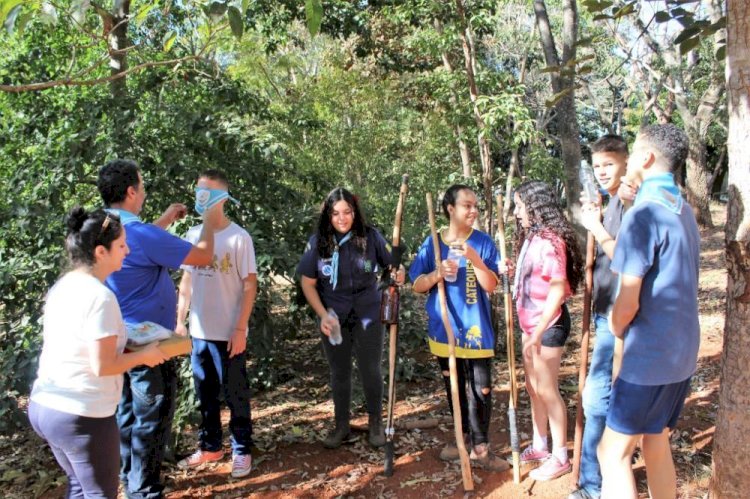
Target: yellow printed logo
{"points": [[226, 265], [471, 284], [474, 336]]}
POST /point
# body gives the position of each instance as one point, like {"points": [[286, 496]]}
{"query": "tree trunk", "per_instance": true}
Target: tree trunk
{"points": [[730, 478], [566, 118], [696, 181]]}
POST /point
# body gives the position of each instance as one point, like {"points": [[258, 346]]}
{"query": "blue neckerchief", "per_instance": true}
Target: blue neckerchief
{"points": [[335, 259], [125, 216], [661, 189], [206, 198]]}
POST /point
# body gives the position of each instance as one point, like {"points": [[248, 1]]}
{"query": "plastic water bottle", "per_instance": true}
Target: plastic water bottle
{"points": [[335, 337], [588, 182], [455, 253]]}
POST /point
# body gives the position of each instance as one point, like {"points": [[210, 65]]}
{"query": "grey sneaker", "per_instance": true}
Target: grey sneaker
{"points": [[580, 494]]}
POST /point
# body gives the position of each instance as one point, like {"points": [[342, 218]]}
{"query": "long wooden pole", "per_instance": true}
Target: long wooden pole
{"points": [[584, 354], [464, 455], [515, 444], [393, 332]]}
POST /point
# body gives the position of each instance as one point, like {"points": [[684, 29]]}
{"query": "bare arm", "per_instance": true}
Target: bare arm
{"points": [[487, 278], [202, 252], [591, 218], [184, 294], [238, 341], [105, 361], [626, 304], [174, 212]]}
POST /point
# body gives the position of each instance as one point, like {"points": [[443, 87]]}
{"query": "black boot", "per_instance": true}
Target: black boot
{"points": [[376, 436], [342, 434]]}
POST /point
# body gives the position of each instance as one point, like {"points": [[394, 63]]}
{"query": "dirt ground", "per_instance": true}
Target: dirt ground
{"points": [[289, 421]]}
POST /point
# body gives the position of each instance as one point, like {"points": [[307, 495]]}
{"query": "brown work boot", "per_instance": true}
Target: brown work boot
{"points": [[450, 451]]}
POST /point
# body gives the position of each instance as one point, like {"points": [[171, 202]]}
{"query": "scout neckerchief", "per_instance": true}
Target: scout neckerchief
{"points": [[335, 259], [125, 216], [661, 189]]}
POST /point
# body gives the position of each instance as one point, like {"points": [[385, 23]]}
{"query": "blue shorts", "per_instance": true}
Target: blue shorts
{"points": [[638, 409]]}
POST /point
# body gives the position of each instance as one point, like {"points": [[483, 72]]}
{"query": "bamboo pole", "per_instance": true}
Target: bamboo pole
{"points": [[584, 354], [468, 480], [515, 445]]}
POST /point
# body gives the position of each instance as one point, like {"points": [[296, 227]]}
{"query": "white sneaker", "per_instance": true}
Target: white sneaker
{"points": [[242, 465]]}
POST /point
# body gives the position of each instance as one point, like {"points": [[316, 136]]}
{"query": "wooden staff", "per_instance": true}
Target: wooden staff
{"points": [[464, 455], [515, 445], [585, 327], [393, 327]]}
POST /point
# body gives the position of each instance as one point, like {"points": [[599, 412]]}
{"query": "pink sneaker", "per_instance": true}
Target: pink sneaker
{"points": [[550, 469], [531, 455], [242, 465], [199, 457]]}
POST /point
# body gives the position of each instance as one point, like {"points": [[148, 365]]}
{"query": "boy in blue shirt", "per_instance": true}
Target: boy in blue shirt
{"points": [[145, 292], [656, 313]]}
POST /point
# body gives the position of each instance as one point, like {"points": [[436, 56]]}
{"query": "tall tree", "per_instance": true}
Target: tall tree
{"points": [[562, 77], [730, 477]]}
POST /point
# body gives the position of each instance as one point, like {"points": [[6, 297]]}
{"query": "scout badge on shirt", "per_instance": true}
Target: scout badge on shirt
{"points": [[206, 198]]}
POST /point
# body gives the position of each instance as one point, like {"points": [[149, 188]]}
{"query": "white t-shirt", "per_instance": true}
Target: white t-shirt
{"points": [[218, 288], [78, 311]]}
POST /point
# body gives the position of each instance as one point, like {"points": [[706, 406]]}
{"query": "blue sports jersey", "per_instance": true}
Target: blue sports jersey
{"points": [[468, 303], [143, 286]]}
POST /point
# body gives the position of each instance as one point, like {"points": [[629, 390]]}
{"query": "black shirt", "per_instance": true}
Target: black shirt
{"points": [[605, 281]]}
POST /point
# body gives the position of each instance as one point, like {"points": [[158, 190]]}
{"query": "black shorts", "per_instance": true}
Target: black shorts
{"points": [[557, 334]]}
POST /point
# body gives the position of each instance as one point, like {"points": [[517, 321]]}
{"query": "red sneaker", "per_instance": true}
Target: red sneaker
{"points": [[199, 457]]}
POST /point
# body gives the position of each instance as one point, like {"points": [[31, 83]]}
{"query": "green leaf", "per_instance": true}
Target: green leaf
{"points": [[10, 20], [713, 28], [662, 17], [6, 6], [690, 32], [169, 40], [235, 22], [624, 11], [550, 69], [143, 12], [689, 44], [721, 53], [313, 15], [601, 17], [216, 10], [594, 6]]}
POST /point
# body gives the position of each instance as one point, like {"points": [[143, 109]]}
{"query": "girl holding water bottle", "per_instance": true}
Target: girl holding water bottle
{"points": [[469, 270], [548, 271], [339, 271]]}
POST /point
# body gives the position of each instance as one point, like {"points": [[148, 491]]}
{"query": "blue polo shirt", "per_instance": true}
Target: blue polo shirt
{"points": [[661, 246], [357, 288], [143, 286], [468, 303]]}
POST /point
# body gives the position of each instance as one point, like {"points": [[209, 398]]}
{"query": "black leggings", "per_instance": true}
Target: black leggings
{"points": [[366, 340], [476, 407], [86, 448]]}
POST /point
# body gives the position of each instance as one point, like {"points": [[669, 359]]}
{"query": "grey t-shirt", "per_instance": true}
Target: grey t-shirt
{"points": [[605, 281]]}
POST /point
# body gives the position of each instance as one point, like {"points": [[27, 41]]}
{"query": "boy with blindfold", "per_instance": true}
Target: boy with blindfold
{"points": [[220, 297]]}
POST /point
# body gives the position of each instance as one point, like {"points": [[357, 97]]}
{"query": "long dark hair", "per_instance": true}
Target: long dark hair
{"points": [[86, 231], [326, 231], [546, 219]]}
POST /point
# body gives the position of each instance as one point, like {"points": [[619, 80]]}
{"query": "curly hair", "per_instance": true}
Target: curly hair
{"points": [[326, 231], [547, 220]]}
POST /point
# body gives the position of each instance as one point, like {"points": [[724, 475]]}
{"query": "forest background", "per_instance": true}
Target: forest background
{"points": [[292, 98]]}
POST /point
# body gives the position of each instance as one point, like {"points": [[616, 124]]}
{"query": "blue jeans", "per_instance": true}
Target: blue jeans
{"points": [[145, 419], [595, 404], [216, 375]]}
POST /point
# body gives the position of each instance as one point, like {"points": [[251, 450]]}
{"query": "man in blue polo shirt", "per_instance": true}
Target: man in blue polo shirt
{"points": [[145, 292], [656, 312]]}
